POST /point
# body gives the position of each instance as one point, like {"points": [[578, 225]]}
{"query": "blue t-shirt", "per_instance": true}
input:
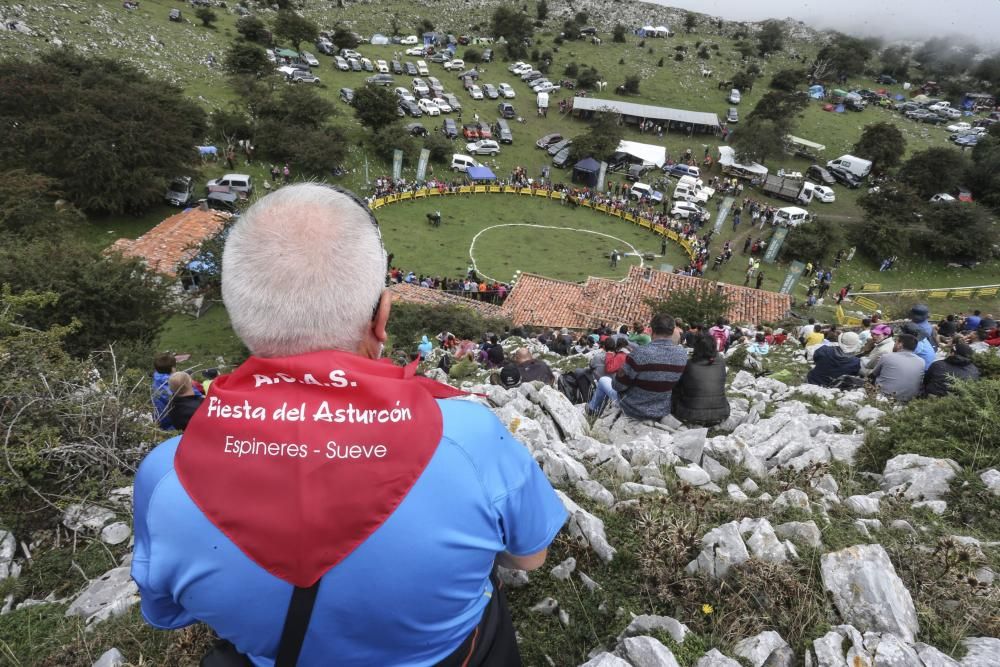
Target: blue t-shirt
{"points": [[161, 400], [925, 352], [408, 595]]}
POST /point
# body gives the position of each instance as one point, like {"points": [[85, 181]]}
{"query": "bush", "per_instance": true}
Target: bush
{"points": [[409, 321], [472, 55], [440, 146], [632, 84], [699, 305], [571, 69], [659, 63], [679, 57]]}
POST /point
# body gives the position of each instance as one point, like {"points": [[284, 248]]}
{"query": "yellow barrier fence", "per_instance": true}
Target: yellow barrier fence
{"points": [[865, 302]]}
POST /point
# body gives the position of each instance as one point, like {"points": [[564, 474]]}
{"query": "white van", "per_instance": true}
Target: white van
{"points": [[542, 101], [697, 184], [462, 163], [855, 165], [241, 184], [793, 216]]}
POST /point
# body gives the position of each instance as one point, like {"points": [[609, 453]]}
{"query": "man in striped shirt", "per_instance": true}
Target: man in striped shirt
{"points": [[644, 385]]}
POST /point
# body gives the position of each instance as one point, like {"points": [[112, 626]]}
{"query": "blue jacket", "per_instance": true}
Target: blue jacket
{"points": [[161, 400]]}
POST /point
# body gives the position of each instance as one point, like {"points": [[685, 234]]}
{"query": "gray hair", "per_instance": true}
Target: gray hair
{"points": [[302, 271]]}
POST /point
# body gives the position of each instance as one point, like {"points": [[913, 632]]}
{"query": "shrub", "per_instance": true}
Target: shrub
{"points": [[632, 84], [659, 63], [472, 55], [571, 69], [409, 321], [702, 304], [679, 57]]}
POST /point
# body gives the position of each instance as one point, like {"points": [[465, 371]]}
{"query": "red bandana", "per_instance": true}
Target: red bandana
{"points": [[298, 460]]}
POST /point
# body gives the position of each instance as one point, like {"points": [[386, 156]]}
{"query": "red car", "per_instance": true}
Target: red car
{"points": [[470, 132], [484, 131]]}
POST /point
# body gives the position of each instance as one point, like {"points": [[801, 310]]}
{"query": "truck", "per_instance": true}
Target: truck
{"points": [[781, 187]]}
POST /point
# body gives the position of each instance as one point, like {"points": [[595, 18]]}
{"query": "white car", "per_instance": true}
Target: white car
{"points": [[685, 209], [403, 93], [476, 92], [271, 56], [428, 107], [522, 68], [483, 147], [420, 88], [506, 90], [824, 194], [409, 40], [456, 64], [342, 64], [442, 104], [959, 127], [382, 66], [516, 65], [309, 58], [422, 68], [545, 87], [415, 51]]}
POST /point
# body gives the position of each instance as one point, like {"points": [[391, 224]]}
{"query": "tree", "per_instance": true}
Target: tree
{"points": [[343, 38], [601, 138], [571, 69], [571, 30], [588, 78], [788, 80], [245, 58], [631, 84], [934, 170], [375, 107], [618, 34], [779, 107], [690, 21], [771, 38], [423, 25], [896, 61], [758, 139], [107, 135], [816, 241], [843, 56], [984, 174], [472, 55], [230, 124], [253, 29], [580, 18], [703, 304], [743, 81], [512, 25], [542, 10], [29, 205], [744, 48], [883, 144], [390, 137], [206, 16], [293, 28], [959, 231], [440, 147]]}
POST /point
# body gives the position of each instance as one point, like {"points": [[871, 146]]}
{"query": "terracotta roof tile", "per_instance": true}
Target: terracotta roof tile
{"points": [[542, 301], [173, 242], [416, 294]]}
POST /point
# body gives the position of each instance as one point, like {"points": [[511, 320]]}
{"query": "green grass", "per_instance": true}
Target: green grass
{"points": [[205, 339]]}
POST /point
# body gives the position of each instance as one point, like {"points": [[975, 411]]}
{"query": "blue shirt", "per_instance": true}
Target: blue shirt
{"points": [[972, 322], [408, 595], [161, 400], [925, 352]]}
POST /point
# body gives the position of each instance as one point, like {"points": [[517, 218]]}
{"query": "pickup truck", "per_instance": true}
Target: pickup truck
{"points": [[782, 188]]}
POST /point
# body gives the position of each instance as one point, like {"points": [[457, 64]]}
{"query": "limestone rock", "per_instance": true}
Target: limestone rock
{"points": [[869, 414], [111, 658], [722, 548], [736, 493], [606, 660], [991, 478], [982, 652], [563, 570], [634, 489], [716, 471], [563, 413], [588, 583], [8, 547], [512, 578], [764, 544], [891, 652], [109, 595], [716, 659], [647, 652], [792, 498], [936, 506], [804, 532], [862, 505], [931, 657], [902, 526], [587, 529], [918, 477], [829, 650], [90, 517], [690, 444], [115, 533], [750, 486], [867, 591], [561, 469], [692, 474], [647, 623], [546, 607], [758, 649], [826, 485], [593, 490]]}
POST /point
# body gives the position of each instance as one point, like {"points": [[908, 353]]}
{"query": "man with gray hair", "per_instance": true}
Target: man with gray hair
{"points": [[324, 507]]}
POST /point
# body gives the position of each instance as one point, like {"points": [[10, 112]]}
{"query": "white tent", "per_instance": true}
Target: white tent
{"points": [[648, 153], [727, 158], [663, 30], [379, 39]]}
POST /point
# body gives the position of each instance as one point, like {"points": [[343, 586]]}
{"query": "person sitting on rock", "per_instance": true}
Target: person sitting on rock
{"points": [[924, 349], [699, 397], [835, 361], [940, 378], [900, 373], [532, 369], [881, 342], [183, 400]]}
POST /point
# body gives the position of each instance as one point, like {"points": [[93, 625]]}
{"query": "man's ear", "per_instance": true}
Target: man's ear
{"points": [[381, 317]]}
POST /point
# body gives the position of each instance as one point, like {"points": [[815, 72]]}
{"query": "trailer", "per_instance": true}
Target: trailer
{"points": [[780, 187]]}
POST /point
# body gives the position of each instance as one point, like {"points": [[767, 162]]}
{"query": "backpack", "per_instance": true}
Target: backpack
{"points": [[445, 363], [578, 385]]}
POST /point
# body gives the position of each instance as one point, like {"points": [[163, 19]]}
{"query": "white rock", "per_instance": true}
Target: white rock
{"points": [[561, 469], [546, 607], [111, 658], [716, 659], [593, 490], [635, 489], [829, 650], [121, 496], [8, 547], [647, 623], [722, 548], [647, 652], [891, 652], [715, 470], [750, 486], [742, 380], [765, 497], [692, 474], [764, 544], [563, 413], [564, 617], [869, 414], [606, 660], [982, 652], [991, 478], [826, 485], [736, 493], [563, 570], [109, 595], [867, 592], [793, 498], [115, 533], [91, 517], [512, 578], [805, 532], [931, 657], [862, 505], [690, 444], [587, 529], [758, 649], [902, 526], [918, 477], [588, 583], [936, 506]]}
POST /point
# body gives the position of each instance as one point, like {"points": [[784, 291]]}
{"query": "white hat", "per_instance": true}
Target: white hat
{"points": [[849, 342]]}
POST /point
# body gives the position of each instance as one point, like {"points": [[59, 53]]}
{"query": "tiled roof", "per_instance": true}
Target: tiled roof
{"points": [[175, 241], [416, 294], [542, 301]]}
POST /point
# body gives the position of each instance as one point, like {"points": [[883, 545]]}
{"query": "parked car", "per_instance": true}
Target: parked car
{"points": [[681, 170], [562, 157], [409, 40], [367, 65], [475, 92], [350, 53], [241, 184], [453, 101], [180, 192], [416, 51], [733, 115], [355, 64], [959, 127], [546, 87], [885, 79], [347, 95], [381, 80], [461, 162], [548, 140], [685, 210], [410, 69], [422, 68], [416, 129], [382, 66], [514, 66], [397, 67], [903, 107], [501, 129], [933, 118], [506, 110], [845, 177], [442, 104], [507, 91], [818, 173], [968, 141], [325, 47], [552, 149], [531, 76], [470, 131], [410, 108], [298, 76], [435, 85], [440, 57], [223, 201], [490, 91], [420, 88], [918, 114], [341, 63], [404, 94], [485, 132], [470, 73], [487, 55], [454, 65], [824, 193], [449, 128], [309, 58], [429, 108], [483, 147], [734, 96]]}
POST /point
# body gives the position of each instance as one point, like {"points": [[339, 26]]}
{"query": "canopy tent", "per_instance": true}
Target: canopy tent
{"points": [[817, 92], [653, 31], [727, 158], [286, 53], [798, 142], [378, 39], [630, 111], [586, 171], [480, 174], [648, 153]]}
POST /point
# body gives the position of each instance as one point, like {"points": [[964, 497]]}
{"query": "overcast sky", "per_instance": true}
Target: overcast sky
{"points": [[892, 19]]}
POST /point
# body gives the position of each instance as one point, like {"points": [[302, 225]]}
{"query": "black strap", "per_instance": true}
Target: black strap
{"points": [[296, 622]]}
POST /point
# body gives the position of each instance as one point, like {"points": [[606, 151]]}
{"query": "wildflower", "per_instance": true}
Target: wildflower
{"points": [[707, 609]]}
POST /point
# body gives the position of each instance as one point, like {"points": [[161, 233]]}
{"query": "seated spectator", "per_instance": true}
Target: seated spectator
{"points": [[209, 374], [972, 321], [836, 360], [924, 349], [806, 329], [759, 346], [720, 333], [940, 377], [780, 337], [597, 359], [881, 343], [584, 345], [815, 337], [947, 328], [494, 352], [992, 338], [866, 331], [639, 337], [692, 334], [508, 377], [163, 366], [700, 395], [900, 373], [425, 347], [183, 402], [532, 369], [920, 316]]}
